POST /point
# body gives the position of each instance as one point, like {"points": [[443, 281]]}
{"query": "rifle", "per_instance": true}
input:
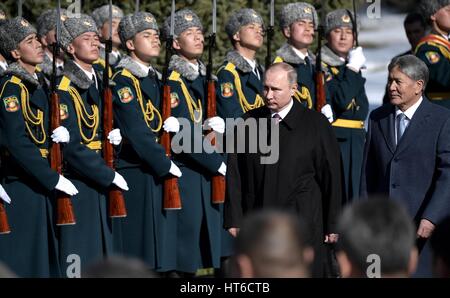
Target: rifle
{"points": [[355, 24], [64, 209], [19, 8], [269, 33], [116, 201], [217, 181], [172, 199], [4, 226], [319, 75], [136, 6]]}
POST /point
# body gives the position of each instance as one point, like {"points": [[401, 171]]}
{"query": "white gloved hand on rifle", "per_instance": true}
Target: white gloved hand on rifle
{"points": [[215, 123], [327, 112], [60, 135], [65, 185], [120, 182], [175, 170], [171, 124], [222, 169], [356, 59], [4, 196], [115, 137]]}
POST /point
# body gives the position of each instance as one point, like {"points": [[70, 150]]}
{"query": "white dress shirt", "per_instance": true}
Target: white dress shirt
{"points": [[283, 113]]}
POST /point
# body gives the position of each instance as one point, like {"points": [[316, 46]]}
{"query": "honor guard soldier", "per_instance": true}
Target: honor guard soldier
{"points": [[3, 63], [101, 18], [142, 160], [298, 22], [240, 76], [80, 109], [46, 28], [30, 249], [434, 50], [199, 222], [347, 94]]}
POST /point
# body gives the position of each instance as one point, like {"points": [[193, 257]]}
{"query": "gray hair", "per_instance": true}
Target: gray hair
{"points": [[291, 72], [411, 66]]}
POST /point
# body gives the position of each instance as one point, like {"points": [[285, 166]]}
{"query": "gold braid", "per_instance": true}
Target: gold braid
{"points": [[92, 120]]}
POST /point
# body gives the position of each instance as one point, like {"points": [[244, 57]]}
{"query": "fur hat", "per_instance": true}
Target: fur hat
{"points": [[293, 12], [101, 14], [73, 27], [132, 24], [241, 18], [339, 18], [183, 19], [12, 32], [47, 21]]}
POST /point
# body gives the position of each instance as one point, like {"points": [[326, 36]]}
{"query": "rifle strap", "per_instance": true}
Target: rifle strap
{"points": [[245, 105], [194, 108]]}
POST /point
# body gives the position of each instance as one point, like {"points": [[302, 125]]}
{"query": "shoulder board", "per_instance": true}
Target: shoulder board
{"points": [[100, 61], [64, 84], [278, 59], [15, 80], [126, 73], [174, 76], [230, 66]]}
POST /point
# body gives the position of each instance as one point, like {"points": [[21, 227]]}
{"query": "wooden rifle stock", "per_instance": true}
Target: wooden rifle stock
{"points": [[4, 226], [172, 199], [320, 90], [64, 208], [217, 181], [116, 206]]}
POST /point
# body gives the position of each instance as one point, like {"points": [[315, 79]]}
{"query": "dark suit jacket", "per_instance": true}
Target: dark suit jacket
{"points": [[417, 170], [306, 179]]}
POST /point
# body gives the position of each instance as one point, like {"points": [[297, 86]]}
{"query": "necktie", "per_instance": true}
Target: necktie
{"points": [[277, 118], [255, 71], [308, 64], [401, 126]]}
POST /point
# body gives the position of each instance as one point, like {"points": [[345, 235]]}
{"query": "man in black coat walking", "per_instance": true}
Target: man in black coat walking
{"points": [[305, 179]]}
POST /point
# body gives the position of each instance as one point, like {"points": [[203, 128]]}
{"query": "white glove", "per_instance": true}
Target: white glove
{"points": [[215, 123], [65, 185], [115, 137], [223, 169], [356, 59], [4, 196], [171, 124], [175, 170], [60, 135], [120, 182], [328, 112]]}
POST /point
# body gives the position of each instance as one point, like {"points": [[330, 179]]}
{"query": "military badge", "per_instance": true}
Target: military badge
{"points": [[433, 57], [11, 104], [174, 100], [63, 111], [87, 23], [227, 89], [125, 94], [2, 15], [307, 10], [346, 18], [188, 17], [24, 23], [149, 19]]}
